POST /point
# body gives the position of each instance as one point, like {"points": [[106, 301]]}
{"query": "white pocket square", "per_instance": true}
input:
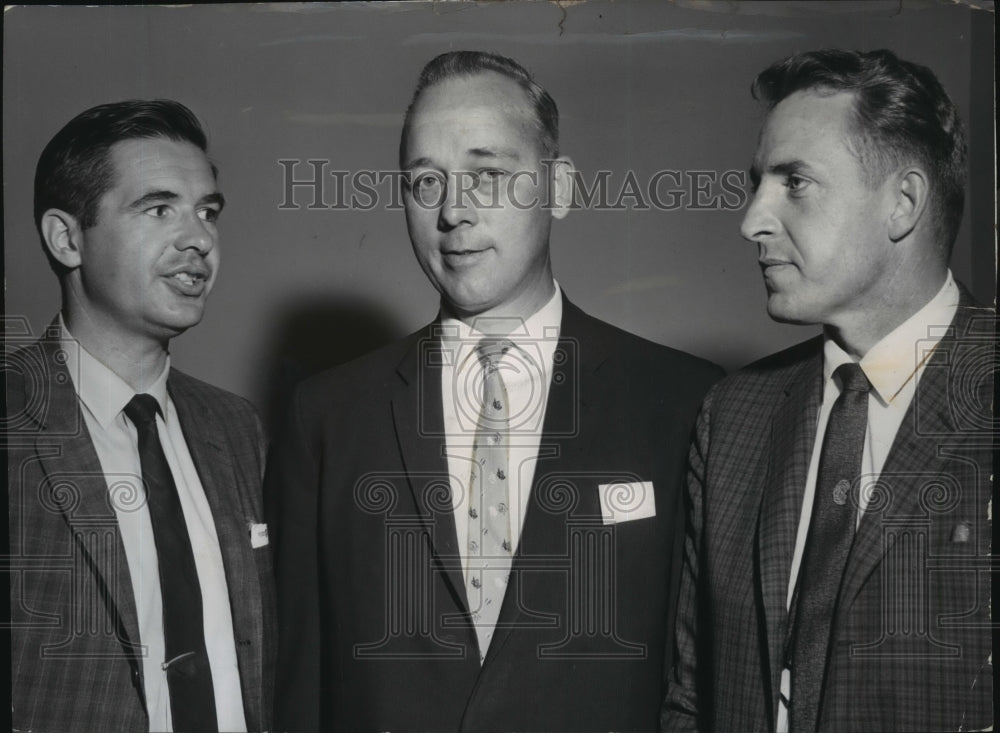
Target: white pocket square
{"points": [[258, 536], [627, 501]]}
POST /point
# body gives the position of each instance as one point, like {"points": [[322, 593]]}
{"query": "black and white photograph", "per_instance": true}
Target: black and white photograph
{"points": [[556, 366]]}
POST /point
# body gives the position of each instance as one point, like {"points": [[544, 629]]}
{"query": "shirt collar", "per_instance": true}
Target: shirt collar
{"points": [[103, 392], [900, 355]]}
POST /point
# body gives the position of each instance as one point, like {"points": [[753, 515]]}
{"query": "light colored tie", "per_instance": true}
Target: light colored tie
{"points": [[489, 548]]}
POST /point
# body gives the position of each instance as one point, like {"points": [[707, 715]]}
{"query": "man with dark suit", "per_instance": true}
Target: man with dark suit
{"points": [[836, 574], [477, 528], [141, 591]]}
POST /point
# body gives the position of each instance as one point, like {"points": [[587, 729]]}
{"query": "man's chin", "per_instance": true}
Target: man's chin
{"points": [[177, 323], [781, 311], [462, 309]]}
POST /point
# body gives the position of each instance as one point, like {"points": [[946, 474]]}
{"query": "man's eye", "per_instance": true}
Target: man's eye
{"points": [[428, 188], [209, 214], [795, 183], [158, 211], [426, 181], [489, 178]]}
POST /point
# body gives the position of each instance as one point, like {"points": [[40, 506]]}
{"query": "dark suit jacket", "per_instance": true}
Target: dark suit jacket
{"points": [[911, 634], [75, 641], [374, 625]]}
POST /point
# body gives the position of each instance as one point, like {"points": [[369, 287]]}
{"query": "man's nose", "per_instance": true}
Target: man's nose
{"points": [[759, 221], [197, 234], [459, 201]]}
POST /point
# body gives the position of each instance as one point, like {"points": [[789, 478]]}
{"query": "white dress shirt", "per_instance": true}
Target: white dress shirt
{"points": [[893, 366], [103, 396], [526, 371]]}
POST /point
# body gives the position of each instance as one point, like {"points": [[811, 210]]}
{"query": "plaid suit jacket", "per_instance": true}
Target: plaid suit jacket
{"points": [[911, 636], [76, 650]]}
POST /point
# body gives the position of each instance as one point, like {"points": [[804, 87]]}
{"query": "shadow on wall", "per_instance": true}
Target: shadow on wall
{"points": [[308, 337]]}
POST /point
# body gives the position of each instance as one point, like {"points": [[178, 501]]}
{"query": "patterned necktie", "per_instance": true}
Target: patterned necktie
{"points": [[489, 548], [831, 532], [189, 676]]}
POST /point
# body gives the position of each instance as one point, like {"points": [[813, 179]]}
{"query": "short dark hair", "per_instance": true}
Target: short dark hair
{"points": [[901, 115], [468, 63], [75, 169]]}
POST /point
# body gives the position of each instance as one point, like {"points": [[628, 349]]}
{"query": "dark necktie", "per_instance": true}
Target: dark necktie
{"points": [[831, 532], [189, 676]]}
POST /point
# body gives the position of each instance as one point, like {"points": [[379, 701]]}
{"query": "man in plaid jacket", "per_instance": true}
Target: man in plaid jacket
{"points": [[859, 188], [126, 205]]}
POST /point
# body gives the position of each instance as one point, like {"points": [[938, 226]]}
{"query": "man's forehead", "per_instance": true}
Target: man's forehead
{"points": [[810, 110], [482, 96], [806, 123], [137, 160]]}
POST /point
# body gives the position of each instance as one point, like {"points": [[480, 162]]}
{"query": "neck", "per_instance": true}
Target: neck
{"points": [[137, 361], [505, 318], [857, 331]]}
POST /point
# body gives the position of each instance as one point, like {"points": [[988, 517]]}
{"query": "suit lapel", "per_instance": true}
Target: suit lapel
{"points": [[915, 454], [76, 486], [205, 436], [793, 432], [418, 419]]}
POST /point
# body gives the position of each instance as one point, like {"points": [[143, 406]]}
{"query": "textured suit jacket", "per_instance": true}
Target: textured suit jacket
{"points": [[374, 625], [911, 636], [75, 658]]}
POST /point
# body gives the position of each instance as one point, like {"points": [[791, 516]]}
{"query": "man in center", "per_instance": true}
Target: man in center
{"points": [[478, 527]]}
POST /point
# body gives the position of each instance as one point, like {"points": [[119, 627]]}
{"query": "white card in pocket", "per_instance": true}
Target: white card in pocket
{"points": [[627, 501]]}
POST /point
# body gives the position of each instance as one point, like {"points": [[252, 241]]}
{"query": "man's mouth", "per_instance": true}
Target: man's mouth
{"points": [[190, 278], [191, 281], [458, 257]]}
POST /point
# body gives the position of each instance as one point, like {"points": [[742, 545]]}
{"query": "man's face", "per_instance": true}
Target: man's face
{"points": [[821, 232], [149, 262], [474, 207]]}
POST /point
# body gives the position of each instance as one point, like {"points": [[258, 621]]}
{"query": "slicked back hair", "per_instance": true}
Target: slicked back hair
{"points": [[469, 63], [75, 170], [902, 115]]}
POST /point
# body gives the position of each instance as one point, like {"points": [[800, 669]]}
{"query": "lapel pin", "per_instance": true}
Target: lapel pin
{"points": [[961, 533], [258, 535]]}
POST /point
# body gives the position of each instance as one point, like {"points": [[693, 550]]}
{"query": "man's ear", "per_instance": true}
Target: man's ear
{"points": [[63, 237], [561, 186], [911, 191]]}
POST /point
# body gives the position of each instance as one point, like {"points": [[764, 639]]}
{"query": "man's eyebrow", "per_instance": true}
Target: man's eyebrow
{"points": [[482, 153], [213, 198], [493, 153], [417, 163], [153, 197], [158, 197], [784, 168], [788, 167]]}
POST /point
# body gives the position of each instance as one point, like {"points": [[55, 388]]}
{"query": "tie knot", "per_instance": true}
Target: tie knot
{"points": [[142, 409], [852, 377], [490, 350]]}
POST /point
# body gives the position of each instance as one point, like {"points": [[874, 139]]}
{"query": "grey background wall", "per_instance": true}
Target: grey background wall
{"points": [[642, 87]]}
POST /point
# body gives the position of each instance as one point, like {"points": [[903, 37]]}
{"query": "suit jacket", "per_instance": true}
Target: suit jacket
{"points": [[75, 660], [910, 638], [374, 625]]}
